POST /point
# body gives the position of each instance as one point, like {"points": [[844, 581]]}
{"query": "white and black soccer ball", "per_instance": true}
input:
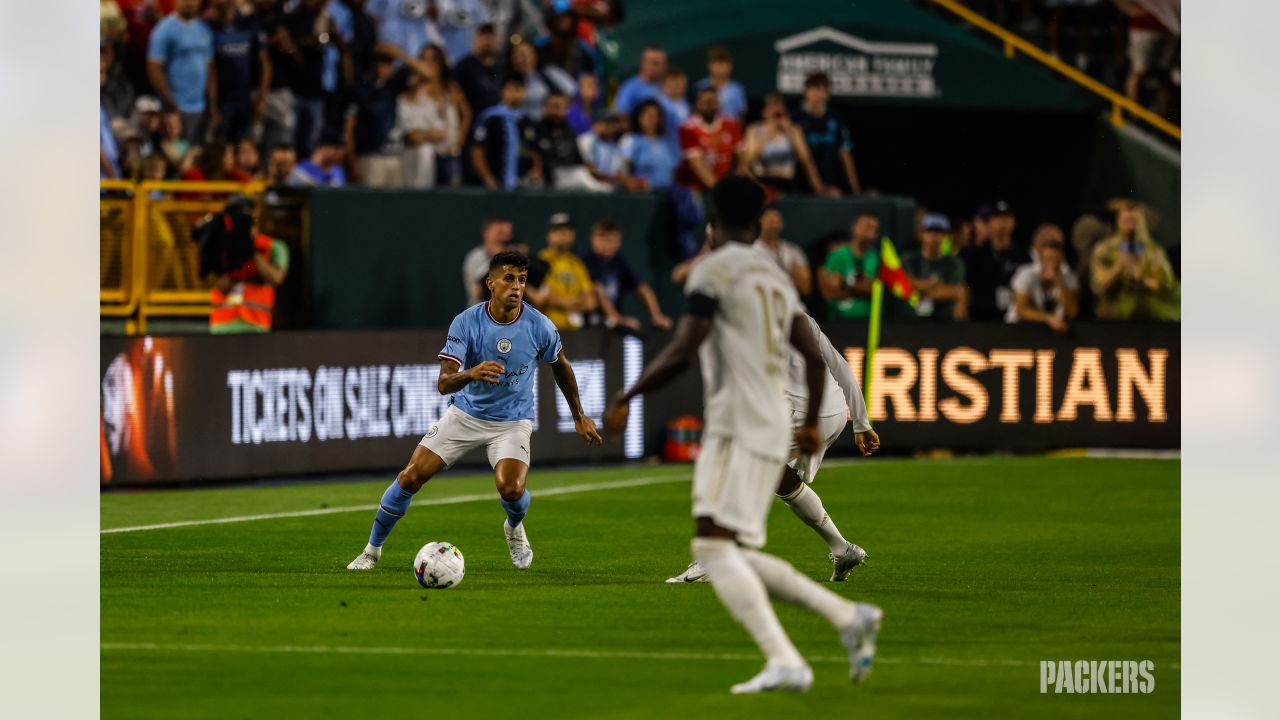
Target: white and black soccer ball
{"points": [[439, 566]]}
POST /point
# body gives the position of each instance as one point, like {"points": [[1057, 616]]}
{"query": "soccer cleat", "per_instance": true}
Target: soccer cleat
{"points": [[518, 545], [366, 559], [694, 573], [776, 678], [841, 566], [859, 638]]}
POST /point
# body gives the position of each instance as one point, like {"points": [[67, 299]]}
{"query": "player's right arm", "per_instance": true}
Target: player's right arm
{"points": [[453, 378]]}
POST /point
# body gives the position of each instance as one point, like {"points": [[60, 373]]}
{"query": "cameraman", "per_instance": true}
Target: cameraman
{"points": [[244, 291]]}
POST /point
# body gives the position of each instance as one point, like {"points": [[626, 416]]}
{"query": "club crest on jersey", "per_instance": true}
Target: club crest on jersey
{"points": [[504, 345]]}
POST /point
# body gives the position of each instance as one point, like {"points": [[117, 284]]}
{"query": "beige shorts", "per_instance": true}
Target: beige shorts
{"points": [[458, 433], [829, 427], [735, 488]]}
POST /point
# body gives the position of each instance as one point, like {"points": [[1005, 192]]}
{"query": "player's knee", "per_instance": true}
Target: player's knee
{"points": [[790, 484], [411, 478], [510, 488]]}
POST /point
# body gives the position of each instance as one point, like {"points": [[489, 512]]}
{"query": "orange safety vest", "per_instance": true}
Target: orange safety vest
{"points": [[249, 300]]}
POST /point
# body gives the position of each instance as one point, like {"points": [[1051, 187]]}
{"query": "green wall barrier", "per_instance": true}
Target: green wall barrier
{"points": [[383, 259]]}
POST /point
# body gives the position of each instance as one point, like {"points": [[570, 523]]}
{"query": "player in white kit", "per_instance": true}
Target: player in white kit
{"points": [[748, 310], [841, 402]]}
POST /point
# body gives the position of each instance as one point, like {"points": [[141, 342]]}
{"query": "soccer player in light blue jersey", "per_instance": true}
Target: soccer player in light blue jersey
{"points": [[487, 366]]}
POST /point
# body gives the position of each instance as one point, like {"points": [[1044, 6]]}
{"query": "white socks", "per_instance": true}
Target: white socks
{"points": [[376, 552], [807, 506], [743, 593], [787, 584]]}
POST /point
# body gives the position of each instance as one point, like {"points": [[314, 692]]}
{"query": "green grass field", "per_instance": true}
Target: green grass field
{"points": [[984, 567]]}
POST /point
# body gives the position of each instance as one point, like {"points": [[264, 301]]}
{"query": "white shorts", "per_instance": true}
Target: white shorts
{"points": [[458, 433], [829, 427], [735, 488]]}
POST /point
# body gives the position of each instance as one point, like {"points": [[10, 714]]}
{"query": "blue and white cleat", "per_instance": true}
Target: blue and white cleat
{"points": [[518, 545], [859, 638], [841, 566], [776, 678]]}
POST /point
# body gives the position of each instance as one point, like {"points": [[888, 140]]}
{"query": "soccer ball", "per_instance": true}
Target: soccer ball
{"points": [[439, 565]]}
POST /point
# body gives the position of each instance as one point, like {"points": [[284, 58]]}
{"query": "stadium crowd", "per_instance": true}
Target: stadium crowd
{"points": [[427, 93]]}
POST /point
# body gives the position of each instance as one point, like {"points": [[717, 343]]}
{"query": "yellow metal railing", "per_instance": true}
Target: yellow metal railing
{"points": [[149, 264], [1120, 105]]}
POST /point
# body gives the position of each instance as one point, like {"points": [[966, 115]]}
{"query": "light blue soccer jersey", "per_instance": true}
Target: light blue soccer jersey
{"points": [[474, 337]]}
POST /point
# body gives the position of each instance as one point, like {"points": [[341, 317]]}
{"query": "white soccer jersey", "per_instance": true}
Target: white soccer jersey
{"points": [[745, 359], [841, 393]]}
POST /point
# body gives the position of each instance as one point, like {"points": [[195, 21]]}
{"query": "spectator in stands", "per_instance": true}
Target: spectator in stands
{"points": [[982, 225], [311, 29], [155, 167], [280, 164], [709, 143], [1045, 290], [939, 278], [149, 122], [324, 167], [570, 293], [989, 268], [1130, 273], [108, 150], [774, 149], [1152, 51], [430, 119], [115, 91], [248, 161], [733, 99], [358, 33], [499, 154], [496, 234], [405, 25], [787, 255], [456, 21], [180, 68], [845, 278], [279, 120], [239, 56], [216, 163], [477, 74], [539, 82], [602, 154], [173, 144], [585, 105], [372, 118], [828, 139], [556, 142], [562, 47], [651, 160], [614, 277], [675, 89], [644, 85]]}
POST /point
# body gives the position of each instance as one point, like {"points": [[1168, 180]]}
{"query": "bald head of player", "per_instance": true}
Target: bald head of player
{"points": [[737, 203]]}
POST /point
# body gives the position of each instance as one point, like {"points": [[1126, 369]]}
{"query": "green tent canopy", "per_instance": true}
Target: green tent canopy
{"points": [[876, 52]]}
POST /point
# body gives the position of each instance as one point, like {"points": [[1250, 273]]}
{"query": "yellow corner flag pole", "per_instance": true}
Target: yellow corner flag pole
{"points": [[873, 339]]}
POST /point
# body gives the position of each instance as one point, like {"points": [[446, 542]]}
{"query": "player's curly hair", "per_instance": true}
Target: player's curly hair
{"points": [[514, 258], [737, 202]]}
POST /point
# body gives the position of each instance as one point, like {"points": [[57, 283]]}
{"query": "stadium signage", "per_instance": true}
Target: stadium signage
{"points": [[857, 67], [191, 408]]}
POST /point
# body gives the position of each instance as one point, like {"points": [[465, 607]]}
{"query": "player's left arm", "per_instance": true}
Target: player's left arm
{"points": [[815, 371], [568, 384], [863, 436]]}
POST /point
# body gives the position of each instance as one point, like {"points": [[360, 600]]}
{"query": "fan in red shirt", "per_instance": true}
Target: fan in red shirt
{"points": [[709, 143]]}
